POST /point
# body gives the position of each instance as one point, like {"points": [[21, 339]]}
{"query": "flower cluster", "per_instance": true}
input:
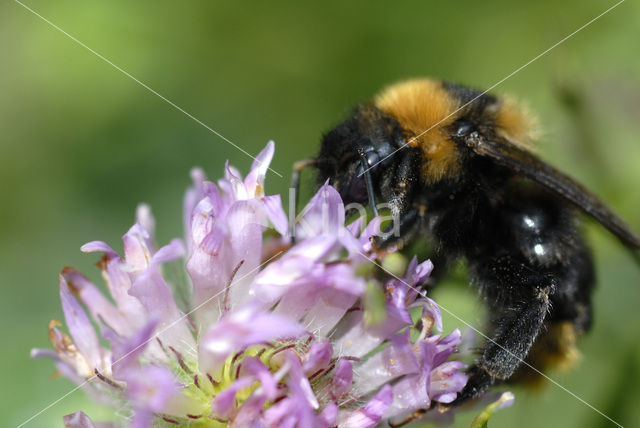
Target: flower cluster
{"points": [[272, 333]]}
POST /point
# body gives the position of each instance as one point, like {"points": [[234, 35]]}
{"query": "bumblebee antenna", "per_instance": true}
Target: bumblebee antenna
{"points": [[367, 180], [295, 186]]}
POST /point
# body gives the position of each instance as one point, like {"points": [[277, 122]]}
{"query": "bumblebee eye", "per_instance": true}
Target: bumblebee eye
{"points": [[464, 128]]}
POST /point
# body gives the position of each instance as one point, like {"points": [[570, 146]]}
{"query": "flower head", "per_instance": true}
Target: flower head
{"points": [[271, 334]]}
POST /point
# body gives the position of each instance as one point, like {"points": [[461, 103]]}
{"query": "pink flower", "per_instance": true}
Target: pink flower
{"points": [[261, 337]]}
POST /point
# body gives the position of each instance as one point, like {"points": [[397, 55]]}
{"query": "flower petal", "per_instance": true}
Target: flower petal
{"points": [[323, 215], [298, 382], [138, 248], [98, 246], [152, 291], [100, 307], [318, 357], [395, 360], [81, 420], [342, 378], [126, 352], [257, 370], [174, 250], [224, 404], [369, 415], [145, 218], [151, 388], [446, 381], [409, 395], [82, 331], [254, 183], [241, 328], [276, 214]]}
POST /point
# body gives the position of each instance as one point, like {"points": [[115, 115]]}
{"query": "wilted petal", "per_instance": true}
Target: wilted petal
{"points": [[431, 314], [119, 283], [82, 331], [65, 364], [100, 307]]}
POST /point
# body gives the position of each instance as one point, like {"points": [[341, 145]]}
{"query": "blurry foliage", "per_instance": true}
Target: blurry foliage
{"points": [[82, 144]]}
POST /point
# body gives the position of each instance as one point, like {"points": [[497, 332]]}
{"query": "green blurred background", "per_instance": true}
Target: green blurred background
{"points": [[82, 143]]}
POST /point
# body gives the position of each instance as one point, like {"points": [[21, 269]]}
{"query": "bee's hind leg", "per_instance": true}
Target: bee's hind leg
{"points": [[521, 299]]}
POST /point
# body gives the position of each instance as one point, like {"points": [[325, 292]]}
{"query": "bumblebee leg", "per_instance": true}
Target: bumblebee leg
{"points": [[570, 317], [524, 298], [404, 201], [369, 184], [400, 233]]}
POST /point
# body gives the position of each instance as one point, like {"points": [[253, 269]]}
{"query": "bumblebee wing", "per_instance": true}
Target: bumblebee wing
{"points": [[528, 165]]}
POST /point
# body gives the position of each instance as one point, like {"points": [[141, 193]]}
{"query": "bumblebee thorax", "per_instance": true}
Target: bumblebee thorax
{"points": [[424, 108]]}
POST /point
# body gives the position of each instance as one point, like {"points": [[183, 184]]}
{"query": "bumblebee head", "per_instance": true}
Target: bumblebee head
{"points": [[362, 143]]}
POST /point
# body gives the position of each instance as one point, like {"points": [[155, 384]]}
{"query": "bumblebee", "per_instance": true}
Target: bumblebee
{"points": [[454, 165]]}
